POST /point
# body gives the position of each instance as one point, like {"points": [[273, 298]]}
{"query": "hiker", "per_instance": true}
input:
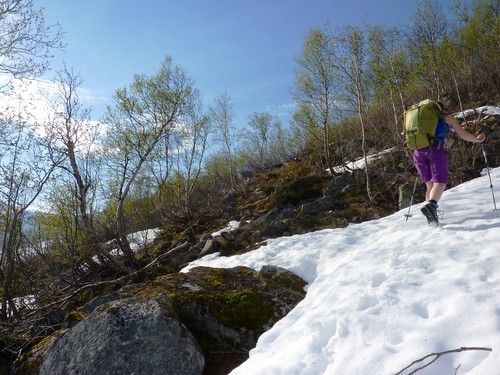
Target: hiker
{"points": [[432, 163]]}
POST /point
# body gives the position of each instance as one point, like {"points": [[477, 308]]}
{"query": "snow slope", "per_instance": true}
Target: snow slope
{"points": [[385, 293]]}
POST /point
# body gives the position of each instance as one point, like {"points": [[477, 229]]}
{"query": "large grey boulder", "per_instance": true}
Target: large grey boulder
{"points": [[127, 336]]}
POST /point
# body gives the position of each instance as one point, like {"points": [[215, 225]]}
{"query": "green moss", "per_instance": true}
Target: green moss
{"points": [[303, 223], [30, 361], [244, 298], [227, 293], [46, 339], [75, 316], [243, 309], [299, 190]]}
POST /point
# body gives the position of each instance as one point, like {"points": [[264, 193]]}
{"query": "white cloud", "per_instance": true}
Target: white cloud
{"points": [[23, 97], [30, 97]]}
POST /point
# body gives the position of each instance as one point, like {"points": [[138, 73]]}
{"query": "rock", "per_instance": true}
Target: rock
{"points": [[339, 183], [227, 236], [128, 336], [283, 277], [277, 228], [405, 193], [184, 255], [211, 246], [100, 300], [228, 309], [203, 321], [287, 213], [317, 206], [266, 218], [29, 364]]}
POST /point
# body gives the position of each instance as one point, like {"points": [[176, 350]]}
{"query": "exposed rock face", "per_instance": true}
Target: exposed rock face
{"points": [[130, 336], [228, 309], [201, 322]]}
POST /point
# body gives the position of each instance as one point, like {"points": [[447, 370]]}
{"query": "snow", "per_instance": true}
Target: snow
{"points": [[140, 239], [483, 111], [385, 293], [137, 240], [360, 163], [233, 225]]}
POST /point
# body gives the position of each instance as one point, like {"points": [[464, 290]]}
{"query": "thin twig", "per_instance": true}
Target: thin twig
{"points": [[185, 245], [437, 355], [61, 302]]}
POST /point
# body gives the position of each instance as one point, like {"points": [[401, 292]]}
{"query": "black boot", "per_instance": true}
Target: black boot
{"points": [[430, 212]]}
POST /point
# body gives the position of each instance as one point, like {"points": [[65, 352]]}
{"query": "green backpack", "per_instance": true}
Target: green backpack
{"points": [[421, 120]]}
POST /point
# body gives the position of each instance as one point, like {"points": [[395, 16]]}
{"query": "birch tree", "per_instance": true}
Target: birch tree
{"points": [[429, 30], [349, 59], [142, 115], [26, 41], [259, 136], [24, 170], [26, 44], [76, 138], [222, 116], [189, 143], [391, 70], [315, 90], [477, 61]]}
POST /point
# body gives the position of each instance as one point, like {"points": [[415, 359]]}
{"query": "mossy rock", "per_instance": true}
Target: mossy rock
{"points": [[29, 362], [74, 317], [296, 191], [227, 309], [244, 309]]}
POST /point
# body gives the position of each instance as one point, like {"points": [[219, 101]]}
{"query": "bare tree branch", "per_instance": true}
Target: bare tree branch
{"points": [[436, 356], [26, 41]]}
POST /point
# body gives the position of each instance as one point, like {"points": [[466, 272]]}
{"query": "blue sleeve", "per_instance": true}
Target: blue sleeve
{"points": [[442, 130]]}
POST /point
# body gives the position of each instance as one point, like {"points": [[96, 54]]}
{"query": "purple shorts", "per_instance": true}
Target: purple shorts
{"points": [[432, 163]]}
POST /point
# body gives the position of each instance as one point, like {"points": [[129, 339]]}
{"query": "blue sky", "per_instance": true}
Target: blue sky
{"points": [[246, 47]]}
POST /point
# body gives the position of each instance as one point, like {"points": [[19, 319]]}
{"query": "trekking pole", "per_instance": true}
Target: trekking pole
{"points": [[489, 175], [408, 215]]}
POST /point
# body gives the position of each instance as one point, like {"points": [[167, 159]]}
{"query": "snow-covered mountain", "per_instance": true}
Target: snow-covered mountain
{"points": [[386, 293]]}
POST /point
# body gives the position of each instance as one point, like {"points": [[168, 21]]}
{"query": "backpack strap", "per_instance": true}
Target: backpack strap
{"points": [[406, 105]]}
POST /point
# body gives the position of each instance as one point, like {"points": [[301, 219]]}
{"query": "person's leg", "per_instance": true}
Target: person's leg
{"points": [[436, 184], [435, 191], [429, 185], [439, 170]]}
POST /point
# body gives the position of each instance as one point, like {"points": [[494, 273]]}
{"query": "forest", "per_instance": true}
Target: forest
{"points": [[73, 189]]}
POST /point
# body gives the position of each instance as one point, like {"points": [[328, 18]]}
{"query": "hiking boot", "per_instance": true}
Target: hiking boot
{"points": [[430, 212]]}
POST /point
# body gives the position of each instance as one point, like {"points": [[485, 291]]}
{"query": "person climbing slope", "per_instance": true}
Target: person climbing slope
{"points": [[430, 155]]}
